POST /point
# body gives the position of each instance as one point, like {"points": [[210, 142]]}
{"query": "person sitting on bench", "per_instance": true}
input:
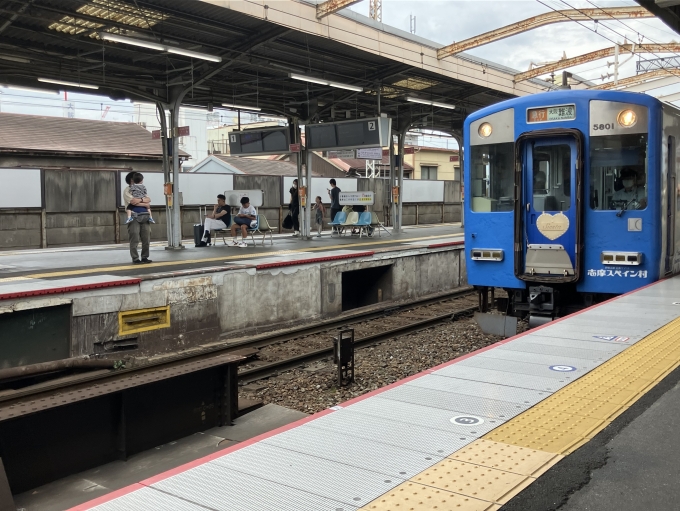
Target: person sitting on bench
{"points": [[219, 219], [246, 218]]}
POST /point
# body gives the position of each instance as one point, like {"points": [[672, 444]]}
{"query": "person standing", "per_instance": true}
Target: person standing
{"points": [[320, 212], [294, 208], [334, 194], [139, 230]]}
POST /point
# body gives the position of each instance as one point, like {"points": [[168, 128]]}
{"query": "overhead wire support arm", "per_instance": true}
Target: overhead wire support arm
{"points": [[596, 55], [331, 6], [637, 79], [541, 20]]}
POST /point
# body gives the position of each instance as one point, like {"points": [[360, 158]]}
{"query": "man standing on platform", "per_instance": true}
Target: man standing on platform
{"points": [[334, 194], [140, 228]]}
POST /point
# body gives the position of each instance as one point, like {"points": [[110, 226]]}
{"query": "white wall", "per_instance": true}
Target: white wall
{"points": [[423, 191], [197, 189], [21, 188]]}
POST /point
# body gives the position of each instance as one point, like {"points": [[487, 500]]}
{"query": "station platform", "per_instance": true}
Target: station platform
{"points": [[89, 267], [470, 434]]}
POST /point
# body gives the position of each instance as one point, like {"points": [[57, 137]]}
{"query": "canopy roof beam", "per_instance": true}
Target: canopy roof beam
{"points": [[635, 83], [542, 20], [597, 55], [331, 6]]}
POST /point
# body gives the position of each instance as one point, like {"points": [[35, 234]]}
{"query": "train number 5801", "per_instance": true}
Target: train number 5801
{"points": [[601, 127]]}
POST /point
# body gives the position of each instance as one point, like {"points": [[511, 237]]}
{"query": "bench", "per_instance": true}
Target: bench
{"points": [[262, 227]]}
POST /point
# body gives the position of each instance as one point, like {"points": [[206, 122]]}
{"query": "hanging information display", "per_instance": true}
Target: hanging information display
{"points": [[357, 198], [358, 134], [256, 142]]}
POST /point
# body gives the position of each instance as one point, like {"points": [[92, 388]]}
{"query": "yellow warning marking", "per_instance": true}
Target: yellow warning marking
{"points": [[409, 495], [143, 320], [108, 269], [16, 279], [476, 481], [510, 458]]}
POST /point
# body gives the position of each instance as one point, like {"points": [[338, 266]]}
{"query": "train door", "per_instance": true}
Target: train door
{"points": [[670, 209], [550, 209]]}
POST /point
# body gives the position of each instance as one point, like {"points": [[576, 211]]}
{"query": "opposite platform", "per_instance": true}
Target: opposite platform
{"points": [[467, 435]]}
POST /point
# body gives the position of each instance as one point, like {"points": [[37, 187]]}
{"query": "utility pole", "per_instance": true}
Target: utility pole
{"points": [[375, 10]]}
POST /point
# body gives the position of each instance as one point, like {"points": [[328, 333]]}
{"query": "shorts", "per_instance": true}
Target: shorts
{"points": [[242, 221], [319, 218], [130, 207]]}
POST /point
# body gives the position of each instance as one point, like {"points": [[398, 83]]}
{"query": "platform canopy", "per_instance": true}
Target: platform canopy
{"points": [[221, 54]]}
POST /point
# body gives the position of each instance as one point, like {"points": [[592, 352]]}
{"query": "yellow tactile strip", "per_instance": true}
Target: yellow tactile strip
{"points": [[490, 471]]}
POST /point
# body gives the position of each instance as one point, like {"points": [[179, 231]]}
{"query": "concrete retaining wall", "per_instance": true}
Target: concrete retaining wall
{"points": [[205, 308]]}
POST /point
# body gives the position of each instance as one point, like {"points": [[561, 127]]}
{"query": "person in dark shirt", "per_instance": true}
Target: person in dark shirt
{"points": [[334, 194], [219, 219], [139, 230], [294, 207]]}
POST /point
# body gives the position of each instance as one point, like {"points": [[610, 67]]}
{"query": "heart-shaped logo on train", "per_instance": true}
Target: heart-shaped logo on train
{"points": [[552, 226]]}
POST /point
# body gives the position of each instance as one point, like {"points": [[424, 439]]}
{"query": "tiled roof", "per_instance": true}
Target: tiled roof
{"points": [[34, 133], [263, 167]]}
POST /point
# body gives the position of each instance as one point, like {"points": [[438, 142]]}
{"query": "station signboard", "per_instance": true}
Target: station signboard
{"points": [[371, 153], [260, 141], [358, 134], [357, 198]]}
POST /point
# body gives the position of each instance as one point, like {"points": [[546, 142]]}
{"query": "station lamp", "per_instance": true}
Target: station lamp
{"points": [[241, 107], [68, 84], [158, 46], [431, 103], [321, 81]]}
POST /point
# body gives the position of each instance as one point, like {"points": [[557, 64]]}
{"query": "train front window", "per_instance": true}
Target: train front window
{"points": [[492, 177], [552, 177], [618, 172]]}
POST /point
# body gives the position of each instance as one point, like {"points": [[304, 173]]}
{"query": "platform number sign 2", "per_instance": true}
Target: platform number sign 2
{"points": [[371, 125]]}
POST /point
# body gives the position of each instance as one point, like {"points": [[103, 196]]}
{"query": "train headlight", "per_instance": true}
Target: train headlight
{"points": [[627, 118], [485, 130]]}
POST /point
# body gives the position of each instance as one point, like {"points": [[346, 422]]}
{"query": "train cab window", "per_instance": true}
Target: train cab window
{"points": [[552, 178], [492, 177], [618, 172]]}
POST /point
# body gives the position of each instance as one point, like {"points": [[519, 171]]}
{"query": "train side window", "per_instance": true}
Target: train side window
{"points": [[618, 172], [492, 177]]}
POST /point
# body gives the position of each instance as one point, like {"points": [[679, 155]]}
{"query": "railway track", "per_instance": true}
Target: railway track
{"points": [[273, 368]]}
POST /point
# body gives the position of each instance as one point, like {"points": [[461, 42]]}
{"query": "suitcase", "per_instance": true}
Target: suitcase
{"points": [[199, 230]]}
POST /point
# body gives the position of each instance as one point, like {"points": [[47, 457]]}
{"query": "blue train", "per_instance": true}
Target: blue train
{"points": [[571, 197]]}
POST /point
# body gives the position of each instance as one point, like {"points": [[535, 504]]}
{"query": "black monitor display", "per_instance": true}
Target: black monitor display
{"points": [[265, 141], [251, 142], [275, 142], [321, 135]]}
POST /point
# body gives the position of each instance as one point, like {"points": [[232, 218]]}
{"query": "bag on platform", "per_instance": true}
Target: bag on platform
{"points": [[288, 222], [199, 230]]}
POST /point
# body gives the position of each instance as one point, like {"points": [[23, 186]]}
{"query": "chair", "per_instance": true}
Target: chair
{"points": [[364, 223], [337, 222], [221, 232], [375, 222], [351, 221], [262, 228]]}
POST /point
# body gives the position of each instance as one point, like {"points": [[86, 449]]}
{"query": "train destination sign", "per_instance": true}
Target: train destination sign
{"points": [[552, 113], [357, 134], [260, 141]]}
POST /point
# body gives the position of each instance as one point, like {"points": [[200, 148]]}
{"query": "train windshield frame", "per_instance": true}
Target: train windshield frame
{"points": [[613, 158]]}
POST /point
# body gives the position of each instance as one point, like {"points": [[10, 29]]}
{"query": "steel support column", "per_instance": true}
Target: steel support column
{"points": [[175, 105], [400, 219], [162, 116], [461, 161], [307, 233]]}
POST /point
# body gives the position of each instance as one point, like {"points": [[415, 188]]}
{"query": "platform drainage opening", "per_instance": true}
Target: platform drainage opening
{"points": [[368, 286]]}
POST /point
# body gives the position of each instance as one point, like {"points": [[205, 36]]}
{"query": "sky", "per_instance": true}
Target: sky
{"points": [[443, 21]]}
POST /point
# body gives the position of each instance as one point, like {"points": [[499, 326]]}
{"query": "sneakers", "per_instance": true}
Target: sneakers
{"points": [[243, 244], [151, 220], [296, 234], [146, 261], [136, 261], [129, 220], [234, 244]]}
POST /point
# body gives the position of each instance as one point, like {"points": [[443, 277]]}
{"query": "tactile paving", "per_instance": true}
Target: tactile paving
{"points": [[425, 416], [455, 402], [476, 388], [335, 481], [558, 442], [400, 434], [412, 496], [215, 487], [510, 458], [526, 381], [369, 455], [473, 480]]}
